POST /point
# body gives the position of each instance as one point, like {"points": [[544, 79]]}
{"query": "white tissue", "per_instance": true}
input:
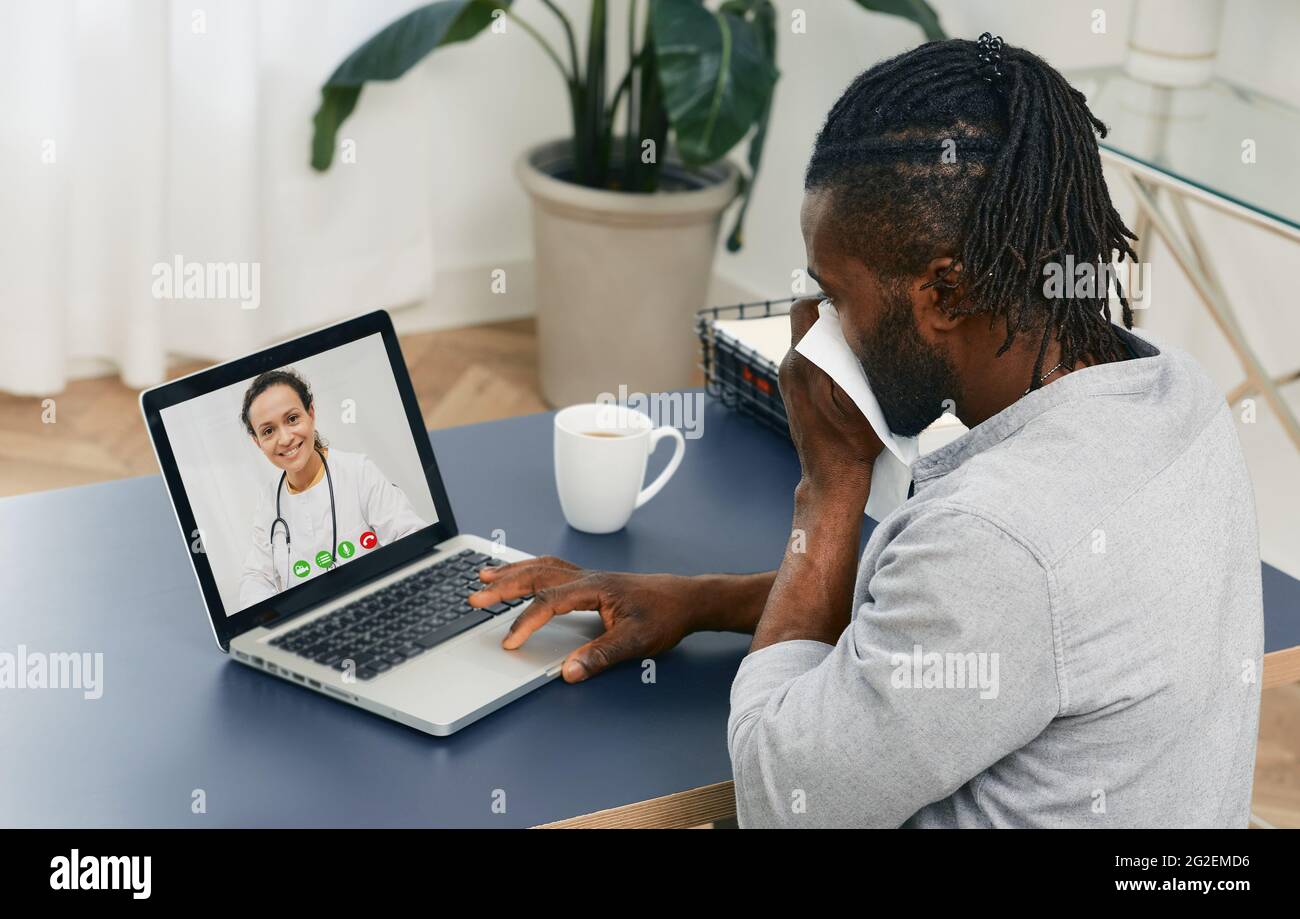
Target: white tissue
{"points": [[891, 476]]}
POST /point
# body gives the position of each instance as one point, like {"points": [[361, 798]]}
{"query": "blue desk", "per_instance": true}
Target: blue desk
{"points": [[102, 569]]}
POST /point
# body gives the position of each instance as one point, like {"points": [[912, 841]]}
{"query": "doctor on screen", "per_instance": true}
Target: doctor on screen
{"points": [[318, 507]]}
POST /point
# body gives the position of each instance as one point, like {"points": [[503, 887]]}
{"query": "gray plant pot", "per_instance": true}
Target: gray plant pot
{"points": [[620, 275]]}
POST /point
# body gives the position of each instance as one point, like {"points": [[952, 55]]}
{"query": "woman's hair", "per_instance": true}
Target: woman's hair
{"points": [[265, 381]]}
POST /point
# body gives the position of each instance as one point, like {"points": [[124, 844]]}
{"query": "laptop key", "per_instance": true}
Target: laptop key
{"points": [[451, 629]]}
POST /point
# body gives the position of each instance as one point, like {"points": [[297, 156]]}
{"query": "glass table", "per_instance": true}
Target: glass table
{"points": [[1171, 146]]}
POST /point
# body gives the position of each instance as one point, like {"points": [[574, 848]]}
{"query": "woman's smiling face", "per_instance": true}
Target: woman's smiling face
{"points": [[282, 428]]}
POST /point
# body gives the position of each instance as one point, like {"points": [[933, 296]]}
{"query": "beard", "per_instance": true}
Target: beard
{"points": [[910, 377]]}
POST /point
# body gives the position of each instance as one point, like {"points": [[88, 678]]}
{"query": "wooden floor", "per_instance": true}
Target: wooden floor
{"points": [[1277, 759], [461, 376]]}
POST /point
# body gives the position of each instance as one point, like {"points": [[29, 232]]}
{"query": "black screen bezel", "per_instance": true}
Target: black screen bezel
{"points": [[305, 596]]}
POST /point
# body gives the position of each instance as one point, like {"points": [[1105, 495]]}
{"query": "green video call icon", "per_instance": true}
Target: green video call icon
{"points": [[324, 559], [301, 568], [346, 549]]}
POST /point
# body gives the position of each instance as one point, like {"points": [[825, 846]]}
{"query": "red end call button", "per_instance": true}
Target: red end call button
{"points": [[368, 540]]}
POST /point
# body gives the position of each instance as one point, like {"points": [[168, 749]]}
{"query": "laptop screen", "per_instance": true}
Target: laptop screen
{"points": [[299, 471]]}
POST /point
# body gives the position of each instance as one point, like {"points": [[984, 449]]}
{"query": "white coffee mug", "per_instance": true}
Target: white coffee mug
{"points": [[601, 451]]}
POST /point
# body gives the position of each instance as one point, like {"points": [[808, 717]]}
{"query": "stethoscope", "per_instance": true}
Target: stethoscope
{"points": [[280, 521]]}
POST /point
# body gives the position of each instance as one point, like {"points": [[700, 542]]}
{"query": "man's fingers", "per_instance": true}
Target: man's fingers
{"points": [[848, 408], [498, 569], [802, 316], [524, 581], [550, 602], [601, 653], [546, 561]]}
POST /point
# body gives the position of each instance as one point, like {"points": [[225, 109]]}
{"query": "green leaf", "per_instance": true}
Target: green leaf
{"points": [[715, 76], [764, 16], [594, 137], [336, 104], [653, 120], [918, 11], [388, 55]]}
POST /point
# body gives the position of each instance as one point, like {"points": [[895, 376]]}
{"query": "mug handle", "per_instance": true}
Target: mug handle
{"points": [[679, 451]]}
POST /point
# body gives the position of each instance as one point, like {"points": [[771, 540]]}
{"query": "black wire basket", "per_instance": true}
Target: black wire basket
{"points": [[739, 377]]}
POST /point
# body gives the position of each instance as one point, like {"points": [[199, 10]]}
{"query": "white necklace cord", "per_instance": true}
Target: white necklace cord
{"points": [[1048, 374]]}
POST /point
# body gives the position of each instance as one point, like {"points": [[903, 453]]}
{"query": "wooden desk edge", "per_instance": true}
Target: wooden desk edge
{"points": [[1281, 667], [676, 811]]}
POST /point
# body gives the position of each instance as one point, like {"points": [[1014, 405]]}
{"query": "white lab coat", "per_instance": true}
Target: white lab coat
{"points": [[365, 502]]}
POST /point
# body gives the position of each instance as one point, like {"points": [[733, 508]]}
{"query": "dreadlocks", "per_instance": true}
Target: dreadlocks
{"points": [[992, 159]]}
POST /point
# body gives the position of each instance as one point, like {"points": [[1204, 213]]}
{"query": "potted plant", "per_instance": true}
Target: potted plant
{"points": [[624, 233]]}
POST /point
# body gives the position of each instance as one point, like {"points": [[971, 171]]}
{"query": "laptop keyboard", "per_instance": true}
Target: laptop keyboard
{"points": [[399, 622]]}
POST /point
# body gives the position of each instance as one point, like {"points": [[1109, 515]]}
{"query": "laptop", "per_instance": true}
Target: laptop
{"points": [[323, 539]]}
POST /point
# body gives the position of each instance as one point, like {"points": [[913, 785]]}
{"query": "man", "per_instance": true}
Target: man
{"points": [[1063, 625]]}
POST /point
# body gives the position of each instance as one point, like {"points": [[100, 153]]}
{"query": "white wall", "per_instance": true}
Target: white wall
{"points": [[495, 96], [474, 107], [487, 100], [840, 43]]}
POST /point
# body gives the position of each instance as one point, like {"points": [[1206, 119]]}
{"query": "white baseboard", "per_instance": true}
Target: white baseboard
{"points": [[465, 296], [724, 291]]}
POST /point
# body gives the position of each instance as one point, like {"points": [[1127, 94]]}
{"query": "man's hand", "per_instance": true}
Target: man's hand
{"points": [[837, 445], [812, 596], [644, 614]]}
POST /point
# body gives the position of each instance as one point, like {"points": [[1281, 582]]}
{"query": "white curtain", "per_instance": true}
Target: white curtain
{"points": [[134, 132]]}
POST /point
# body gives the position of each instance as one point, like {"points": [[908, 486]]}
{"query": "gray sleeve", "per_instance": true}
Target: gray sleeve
{"points": [[949, 666]]}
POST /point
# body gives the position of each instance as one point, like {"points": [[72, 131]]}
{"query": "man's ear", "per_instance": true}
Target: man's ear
{"points": [[942, 287]]}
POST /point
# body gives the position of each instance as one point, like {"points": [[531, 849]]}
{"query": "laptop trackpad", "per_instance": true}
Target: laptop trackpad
{"points": [[548, 645], [473, 672]]}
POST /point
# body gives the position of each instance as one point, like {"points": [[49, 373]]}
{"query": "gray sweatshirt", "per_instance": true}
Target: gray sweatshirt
{"points": [[1063, 627]]}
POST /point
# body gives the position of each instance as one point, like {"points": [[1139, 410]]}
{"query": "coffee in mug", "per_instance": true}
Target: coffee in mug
{"points": [[601, 453]]}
